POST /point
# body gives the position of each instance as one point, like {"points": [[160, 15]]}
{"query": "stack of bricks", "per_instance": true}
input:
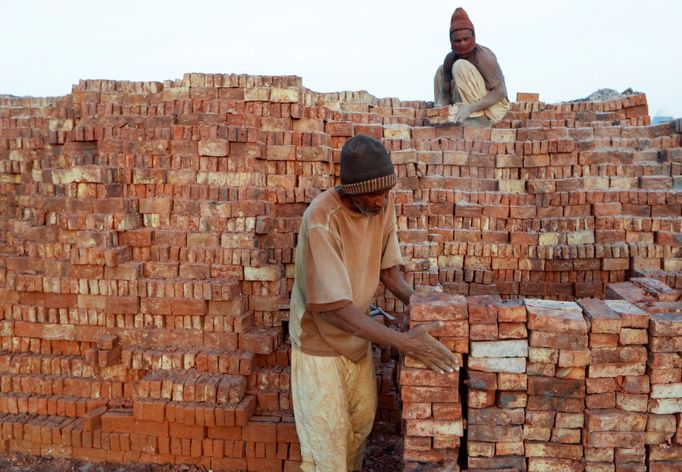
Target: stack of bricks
{"points": [[617, 387], [441, 116], [665, 370], [536, 195], [165, 215], [558, 356], [432, 408], [497, 383], [664, 438]]}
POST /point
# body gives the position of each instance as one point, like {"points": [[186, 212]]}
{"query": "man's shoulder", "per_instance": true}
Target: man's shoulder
{"points": [[322, 209], [483, 53]]}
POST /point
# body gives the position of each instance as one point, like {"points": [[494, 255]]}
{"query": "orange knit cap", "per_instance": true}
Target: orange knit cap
{"points": [[460, 20]]}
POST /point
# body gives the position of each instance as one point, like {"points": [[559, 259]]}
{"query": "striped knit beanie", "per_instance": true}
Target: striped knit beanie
{"points": [[366, 166]]}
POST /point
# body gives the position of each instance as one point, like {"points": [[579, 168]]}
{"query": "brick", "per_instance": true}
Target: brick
{"points": [[559, 388], [482, 380], [557, 321], [496, 416], [514, 382], [437, 307], [213, 148], [666, 324], [561, 341], [425, 377], [434, 428], [508, 365], [490, 433], [93, 419], [602, 318], [498, 349], [609, 438], [527, 97], [511, 311], [481, 398], [564, 451], [413, 410], [417, 394]]}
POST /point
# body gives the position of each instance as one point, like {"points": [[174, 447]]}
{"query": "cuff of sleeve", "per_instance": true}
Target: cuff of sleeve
{"points": [[391, 263], [321, 307]]}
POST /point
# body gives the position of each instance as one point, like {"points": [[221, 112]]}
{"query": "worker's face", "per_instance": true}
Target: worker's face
{"points": [[461, 41], [370, 204]]}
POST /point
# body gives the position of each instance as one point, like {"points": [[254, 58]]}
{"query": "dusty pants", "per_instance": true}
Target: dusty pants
{"points": [[468, 86], [335, 401]]}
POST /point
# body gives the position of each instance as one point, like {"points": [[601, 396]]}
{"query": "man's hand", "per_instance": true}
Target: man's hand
{"points": [[465, 109], [420, 345]]}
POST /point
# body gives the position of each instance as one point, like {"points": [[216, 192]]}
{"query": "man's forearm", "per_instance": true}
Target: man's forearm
{"points": [[416, 343], [393, 280], [444, 95], [489, 100], [353, 321]]}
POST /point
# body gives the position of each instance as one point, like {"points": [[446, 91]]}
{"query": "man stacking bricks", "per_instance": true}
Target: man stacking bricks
{"points": [[347, 243], [470, 77]]}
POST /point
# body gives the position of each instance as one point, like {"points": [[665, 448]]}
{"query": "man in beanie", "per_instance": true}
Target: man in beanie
{"points": [[347, 244], [471, 77]]}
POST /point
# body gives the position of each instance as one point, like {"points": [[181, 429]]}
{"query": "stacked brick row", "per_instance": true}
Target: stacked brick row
{"points": [[663, 368], [617, 385], [497, 383], [557, 359], [432, 407], [665, 403]]}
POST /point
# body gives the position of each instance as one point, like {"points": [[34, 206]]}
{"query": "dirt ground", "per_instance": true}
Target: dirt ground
{"points": [[384, 454]]}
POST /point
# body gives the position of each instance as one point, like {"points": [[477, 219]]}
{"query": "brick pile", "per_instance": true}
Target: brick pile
{"points": [[557, 359], [664, 371], [617, 375], [596, 388], [432, 407], [497, 383], [147, 233]]}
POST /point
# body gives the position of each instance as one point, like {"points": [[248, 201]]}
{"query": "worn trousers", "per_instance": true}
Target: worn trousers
{"points": [[468, 86], [335, 401]]}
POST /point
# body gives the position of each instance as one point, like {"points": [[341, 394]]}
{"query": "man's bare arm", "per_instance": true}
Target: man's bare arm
{"points": [[416, 343], [393, 280], [491, 98]]}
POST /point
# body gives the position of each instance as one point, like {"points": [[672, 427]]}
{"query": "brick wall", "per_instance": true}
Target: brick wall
{"points": [[592, 385], [147, 233]]}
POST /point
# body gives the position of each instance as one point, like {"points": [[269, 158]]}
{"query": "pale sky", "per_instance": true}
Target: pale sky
{"points": [[562, 49]]}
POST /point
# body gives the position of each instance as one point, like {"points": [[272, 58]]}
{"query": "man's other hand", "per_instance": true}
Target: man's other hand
{"points": [[420, 345], [465, 109]]}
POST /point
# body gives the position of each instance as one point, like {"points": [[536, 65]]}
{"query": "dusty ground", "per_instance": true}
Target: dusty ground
{"points": [[384, 454]]}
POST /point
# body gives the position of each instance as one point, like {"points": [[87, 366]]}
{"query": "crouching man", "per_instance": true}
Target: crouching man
{"points": [[470, 77]]}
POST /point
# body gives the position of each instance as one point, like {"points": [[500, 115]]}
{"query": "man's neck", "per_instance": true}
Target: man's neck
{"points": [[346, 200]]}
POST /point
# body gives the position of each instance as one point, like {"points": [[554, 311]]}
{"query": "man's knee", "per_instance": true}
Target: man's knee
{"points": [[462, 66]]}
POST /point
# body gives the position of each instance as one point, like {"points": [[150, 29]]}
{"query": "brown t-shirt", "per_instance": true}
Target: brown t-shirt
{"points": [[339, 258], [484, 60]]}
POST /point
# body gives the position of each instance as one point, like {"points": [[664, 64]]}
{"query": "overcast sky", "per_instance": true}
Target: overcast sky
{"points": [[391, 48]]}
